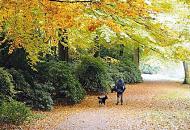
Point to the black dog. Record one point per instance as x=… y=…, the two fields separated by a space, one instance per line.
x=102 y=100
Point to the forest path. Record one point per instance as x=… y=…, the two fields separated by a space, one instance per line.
x=158 y=105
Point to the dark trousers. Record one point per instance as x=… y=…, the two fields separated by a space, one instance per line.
x=120 y=95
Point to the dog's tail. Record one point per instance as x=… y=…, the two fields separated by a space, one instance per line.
x=98 y=97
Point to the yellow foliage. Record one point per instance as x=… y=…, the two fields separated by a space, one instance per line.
x=33 y=24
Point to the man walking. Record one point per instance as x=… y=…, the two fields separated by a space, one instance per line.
x=120 y=88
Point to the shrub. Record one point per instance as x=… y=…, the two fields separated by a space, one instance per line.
x=125 y=70
x=37 y=95
x=22 y=87
x=92 y=74
x=40 y=98
x=75 y=91
x=42 y=71
x=131 y=72
x=66 y=85
x=17 y=59
x=14 y=112
x=114 y=74
x=6 y=85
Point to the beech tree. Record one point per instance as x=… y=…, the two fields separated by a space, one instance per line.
x=33 y=25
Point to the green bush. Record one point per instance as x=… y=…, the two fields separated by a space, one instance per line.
x=18 y=78
x=6 y=85
x=114 y=74
x=60 y=74
x=132 y=73
x=125 y=70
x=17 y=59
x=14 y=112
x=92 y=74
x=40 y=98
x=37 y=95
x=22 y=87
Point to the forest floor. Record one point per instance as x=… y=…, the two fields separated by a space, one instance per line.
x=151 y=105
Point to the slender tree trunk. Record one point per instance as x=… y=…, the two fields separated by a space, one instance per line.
x=121 y=52
x=136 y=56
x=186 y=70
x=63 y=50
x=97 y=53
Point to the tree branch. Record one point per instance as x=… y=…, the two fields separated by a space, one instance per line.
x=75 y=1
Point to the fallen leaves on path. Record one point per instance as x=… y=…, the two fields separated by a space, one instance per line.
x=149 y=105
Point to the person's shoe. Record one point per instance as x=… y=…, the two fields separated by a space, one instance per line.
x=121 y=103
x=117 y=103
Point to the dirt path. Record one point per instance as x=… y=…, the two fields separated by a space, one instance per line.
x=149 y=105
x=152 y=105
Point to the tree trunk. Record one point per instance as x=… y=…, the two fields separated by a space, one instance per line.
x=136 y=56
x=121 y=51
x=97 y=52
x=63 y=50
x=187 y=71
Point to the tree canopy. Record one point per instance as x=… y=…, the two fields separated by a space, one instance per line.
x=33 y=25
x=177 y=18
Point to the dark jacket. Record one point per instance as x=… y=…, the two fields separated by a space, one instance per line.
x=120 y=86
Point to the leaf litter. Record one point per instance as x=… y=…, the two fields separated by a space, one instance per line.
x=147 y=106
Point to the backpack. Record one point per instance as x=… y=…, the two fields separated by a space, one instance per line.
x=120 y=86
